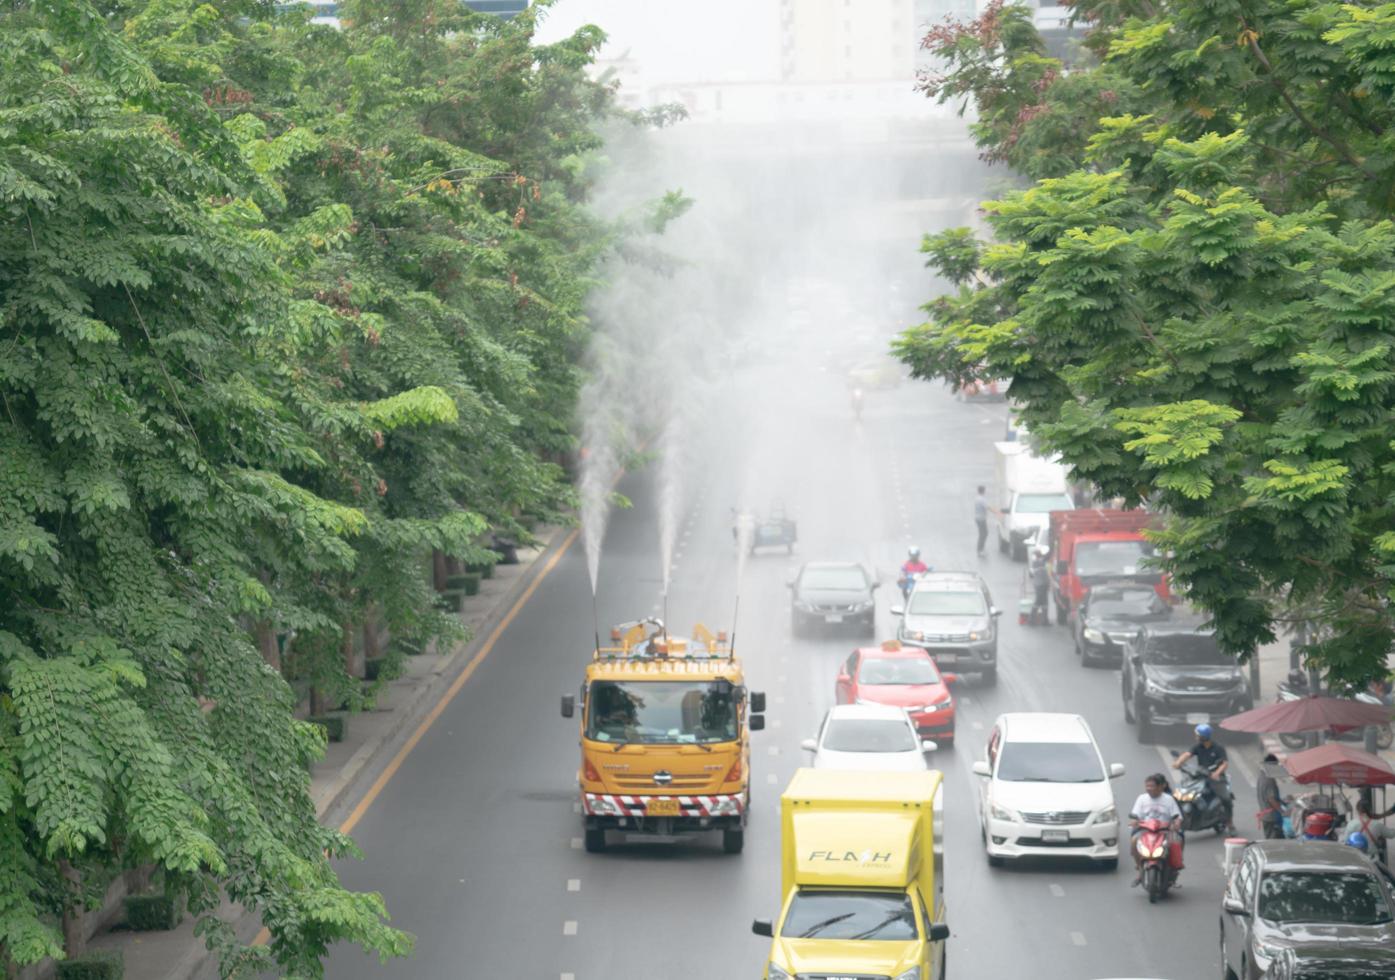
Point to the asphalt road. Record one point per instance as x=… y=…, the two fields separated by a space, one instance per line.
x=476 y=844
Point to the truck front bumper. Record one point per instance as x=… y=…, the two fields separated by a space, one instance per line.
x=659 y=815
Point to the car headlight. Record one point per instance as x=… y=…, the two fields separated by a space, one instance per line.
x=912 y=974
x=865 y=604
x=1151 y=686
x=1265 y=952
x=1107 y=815
x=911 y=709
x=773 y=971
x=1093 y=635
x=943 y=702
x=1001 y=813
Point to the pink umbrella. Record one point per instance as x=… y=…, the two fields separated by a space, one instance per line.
x=1336 y=764
x=1317 y=713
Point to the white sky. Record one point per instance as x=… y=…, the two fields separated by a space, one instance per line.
x=680 y=40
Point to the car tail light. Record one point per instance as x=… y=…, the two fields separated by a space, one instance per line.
x=734 y=773
x=589 y=772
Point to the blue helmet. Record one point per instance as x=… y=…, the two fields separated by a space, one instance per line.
x=1358 y=840
x=1203 y=732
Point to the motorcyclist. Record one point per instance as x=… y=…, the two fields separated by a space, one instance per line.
x=1154 y=803
x=1041 y=584
x=1214 y=761
x=857 y=402
x=912 y=567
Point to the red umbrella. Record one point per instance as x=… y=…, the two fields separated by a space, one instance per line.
x=1317 y=713
x=1337 y=764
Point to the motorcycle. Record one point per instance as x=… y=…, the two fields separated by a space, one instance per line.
x=1160 y=863
x=1296 y=687
x=1202 y=807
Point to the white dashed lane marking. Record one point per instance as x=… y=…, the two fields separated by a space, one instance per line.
x=771 y=779
x=573 y=884
x=774 y=750
x=576 y=843
x=1057 y=891
x=1078 y=938
x=569 y=928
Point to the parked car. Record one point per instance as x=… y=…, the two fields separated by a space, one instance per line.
x=951 y=615
x=1333 y=961
x=1301 y=894
x=1109 y=616
x=1175 y=673
x=905 y=678
x=868 y=736
x=831 y=593
x=1044 y=791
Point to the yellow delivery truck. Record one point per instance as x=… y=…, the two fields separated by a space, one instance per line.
x=862 y=877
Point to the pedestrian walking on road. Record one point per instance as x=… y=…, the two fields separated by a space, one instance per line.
x=981 y=516
x=1271 y=804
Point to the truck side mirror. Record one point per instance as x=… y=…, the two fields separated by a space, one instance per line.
x=757 y=723
x=763 y=927
x=568 y=705
x=939 y=932
x=757 y=701
x=1062 y=566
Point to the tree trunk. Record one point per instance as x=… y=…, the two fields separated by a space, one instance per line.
x=266 y=643
x=346 y=647
x=74 y=934
x=370 y=634
x=438 y=570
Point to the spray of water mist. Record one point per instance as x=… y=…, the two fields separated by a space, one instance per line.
x=670 y=495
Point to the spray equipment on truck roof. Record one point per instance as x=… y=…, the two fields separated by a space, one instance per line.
x=649 y=639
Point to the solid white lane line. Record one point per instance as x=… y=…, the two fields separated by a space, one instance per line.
x=1078 y=938
x=576 y=807
x=569 y=927
x=573 y=884
x=1057 y=891
x=782 y=679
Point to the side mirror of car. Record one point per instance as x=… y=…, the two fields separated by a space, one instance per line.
x=928 y=746
x=757 y=723
x=1116 y=769
x=938 y=933
x=763 y=927
x=1234 y=906
x=995 y=612
x=981 y=768
x=568 y=705
x=809 y=745
x=898 y=610
x=757 y=701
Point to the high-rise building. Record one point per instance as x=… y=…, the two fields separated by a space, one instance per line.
x=500 y=8
x=848 y=40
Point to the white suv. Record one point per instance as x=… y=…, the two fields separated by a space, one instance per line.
x=1045 y=791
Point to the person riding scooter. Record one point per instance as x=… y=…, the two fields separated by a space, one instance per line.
x=910 y=569
x=1154 y=803
x=1214 y=761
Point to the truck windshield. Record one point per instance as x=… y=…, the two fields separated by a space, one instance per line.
x=946 y=603
x=850 y=915
x=661 y=711
x=1050 y=762
x=1042 y=503
x=1111 y=558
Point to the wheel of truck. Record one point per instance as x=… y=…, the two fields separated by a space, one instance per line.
x=1145 y=721
x=733 y=840
x=595 y=840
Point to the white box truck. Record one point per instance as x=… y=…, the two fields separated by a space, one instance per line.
x=1026 y=490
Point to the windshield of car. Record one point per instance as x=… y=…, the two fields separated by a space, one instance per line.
x=850 y=915
x=661 y=711
x=1351 y=898
x=1042 y=503
x=898 y=670
x=868 y=735
x=939 y=603
x=837 y=577
x=1049 y=762
x=1140 y=603
x=1111 y=557
x=1186 y=649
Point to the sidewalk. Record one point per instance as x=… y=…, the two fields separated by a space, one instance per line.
x=369 y=738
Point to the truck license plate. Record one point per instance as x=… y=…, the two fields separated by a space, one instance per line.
x=662 y=808
x=833 y=619
x=1055 y=835
x=1198 y=718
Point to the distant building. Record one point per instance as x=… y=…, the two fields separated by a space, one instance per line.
x=824 y=41
x=500 y=8
x=325 y=12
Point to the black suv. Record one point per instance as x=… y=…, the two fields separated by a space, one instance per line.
x=833 y=593
x=1174 y=673
x=1109 y=616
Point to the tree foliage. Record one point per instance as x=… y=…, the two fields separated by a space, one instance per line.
x=282 y=310
x=1193 y=299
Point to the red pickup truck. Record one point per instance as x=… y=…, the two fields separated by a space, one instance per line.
x=1093 y=546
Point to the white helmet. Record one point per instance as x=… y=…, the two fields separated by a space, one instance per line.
x=1042 y=551
x=913 y=552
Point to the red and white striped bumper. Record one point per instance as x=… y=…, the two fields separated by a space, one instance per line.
x=615 y=805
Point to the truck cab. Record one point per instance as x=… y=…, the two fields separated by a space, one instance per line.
x=1092 y=546
x=862 y=877
x=665 y=736
x=1027 y=488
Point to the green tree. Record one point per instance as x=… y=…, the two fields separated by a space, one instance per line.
x=1197 y=311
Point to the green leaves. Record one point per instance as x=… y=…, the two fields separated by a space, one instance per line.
x=1175 y=441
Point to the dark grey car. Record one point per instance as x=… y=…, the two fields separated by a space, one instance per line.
x=951 y=615
x=1110 y=615
x=1337 y=961
x=1175 y=674
x=1301 y=894
x=833 y=593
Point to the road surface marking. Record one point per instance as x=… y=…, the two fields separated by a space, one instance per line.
x=576 y=843
x=774 y=750
x=569 y=928
x=775 y=723
x=569 y=976
x=1078 y=938
x=374 y=791
x=573 y=884
x=782 y=679
x=965 y=699
x=771 y=779
x=779 y=699
x=1057 y=891
x=784 y=658
x=976 y=725
x=576 y=807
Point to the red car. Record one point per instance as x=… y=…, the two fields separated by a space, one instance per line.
x=904 y=677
